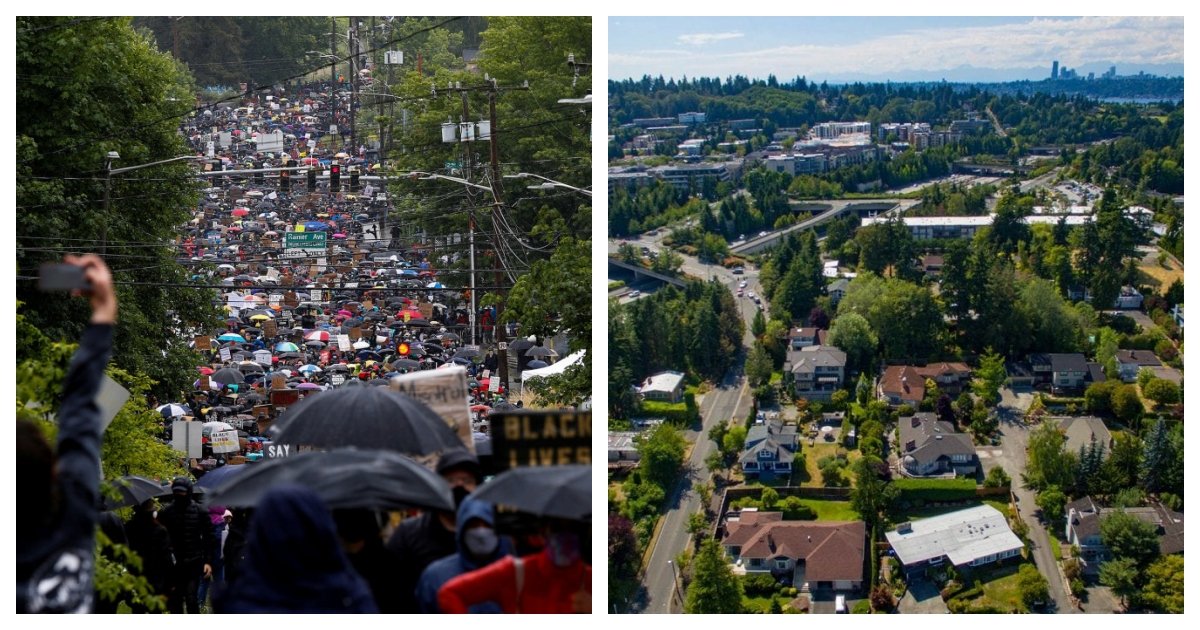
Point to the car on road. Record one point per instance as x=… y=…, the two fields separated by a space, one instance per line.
x=635 y=293
x=742 y=284
x=739 y=293
x=751 y=294
x=737 y=271
x=763 y=233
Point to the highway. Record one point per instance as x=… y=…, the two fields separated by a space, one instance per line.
x=837 y=208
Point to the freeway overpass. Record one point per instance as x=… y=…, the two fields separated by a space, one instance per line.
x=640 y=271
x=829 y=210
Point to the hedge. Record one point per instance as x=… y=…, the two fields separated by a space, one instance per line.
x=935 y=489
x=674 y=413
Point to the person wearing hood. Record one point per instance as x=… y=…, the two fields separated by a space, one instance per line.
x=554 y=580
x=418 y=541
x=191 y=539
x=294 y=561
x=478 y=546
x=152 y=543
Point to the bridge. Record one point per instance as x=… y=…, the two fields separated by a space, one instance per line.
x=828 y=210
x=640 y=271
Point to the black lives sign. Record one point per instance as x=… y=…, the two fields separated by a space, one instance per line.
x=540 y=439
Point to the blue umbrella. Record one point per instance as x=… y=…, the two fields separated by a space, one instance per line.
x=286 y=346
x=435 y=285
x=315 y=225
x=218 y=476
x=232 y=337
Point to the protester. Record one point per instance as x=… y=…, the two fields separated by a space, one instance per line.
x=478 y=545
x=294 y=561
x=150 y=540
x=554 y=580
x=362 y=541
x=217 y=515
x=191 y=540
x=59 y=490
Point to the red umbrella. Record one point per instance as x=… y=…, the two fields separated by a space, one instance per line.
x=478 y=408
x=240 y=212
x=310 y=161
x=205 y=370
x=411 y=313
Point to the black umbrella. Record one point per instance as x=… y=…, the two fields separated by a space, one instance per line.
x=250 y=367
x=368 y=417
x=365 y=355
x=435 y=348
x=461 y=361
x=217 y=476
x=554 y=491
x=537 y=363
x=407 y=364
x=137 y=490
x=338 y=367
x=228 y=376
x=344 y=478
x=539 y=352
x=467 y=353
x=449 y=335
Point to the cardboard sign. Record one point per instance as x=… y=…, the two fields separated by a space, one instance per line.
x=445 y=391
x=275 y=299
x=226 y=355
x=356 y=333
x=494 y=384
x=261 y=411
x=262 y=357
x=186 y=437
x=541 y=438
x=344 y=343
x=205 y=384
x=270 y=328
x=278 y=381
x=426 y=309
x=337 y=379
x=224 y=442
x=290 y=300
x=284 y=397
x=110 y=399
x=203 y=342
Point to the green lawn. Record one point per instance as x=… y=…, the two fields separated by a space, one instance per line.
x=1000 y=590
x=914 y=514
x=812 y=456
x=831 y=510
x=1055 y=547
x=756 y=604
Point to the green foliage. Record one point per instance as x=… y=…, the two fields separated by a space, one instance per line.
x=1162 y=391
x=661 y=451
x=851 y=333
x=759 y=365
x=1098 y=396
x=1052 y=502
x=118 y=579
x=1163 y=591
x=1126 y=404
x=759 y=585
x=871 y=496
x=997 y=478
x=989 y=378
x=1048 y=463
x=1032 y=585
x=928 y=490
x=714 y=588
x=861 y=607
x=794 y=509
x=903 y=315
x=1121 y=575
x=769 y=498
x=675 y=413
x=1129 y=537
x=696 y=523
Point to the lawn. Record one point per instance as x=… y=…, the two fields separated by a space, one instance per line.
x=758 y=604
x=1156 y=276
x=916 y=514
x=1055 y=547
x=813 y=454
x=1000 y=592
x=831 y=510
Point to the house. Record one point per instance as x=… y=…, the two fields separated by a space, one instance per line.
x=1129 y=298
x=932 y=264
x=1083 y=529
x=1095 y=373
x=931 y=447
x=1130 y=362
x=965 y=538
x=621 y=447
x=1080 y=431
x=769 y=450
x=837 y=290
x=819 y=554
x=802 y=338
x=664 y=386
x=1062 y=371
x=816 y=371
x=905 y=384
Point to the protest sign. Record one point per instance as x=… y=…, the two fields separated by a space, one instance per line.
x=445 y=391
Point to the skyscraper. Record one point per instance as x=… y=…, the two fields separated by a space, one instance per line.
x=1054 y=70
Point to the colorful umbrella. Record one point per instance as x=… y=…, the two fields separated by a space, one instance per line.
x=232 y=337
x=286 y=346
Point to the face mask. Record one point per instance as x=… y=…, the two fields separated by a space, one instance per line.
x=460 y=494
x=155 y=515
x=480 y=542
x=564 y=548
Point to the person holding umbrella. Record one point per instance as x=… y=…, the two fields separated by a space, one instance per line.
x=58 y=493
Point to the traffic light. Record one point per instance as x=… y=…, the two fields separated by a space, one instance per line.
x=335 y=178
x=285 y=181
x=353 y=180
x=312 y=179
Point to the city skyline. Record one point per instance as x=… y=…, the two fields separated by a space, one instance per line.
x=840 y=49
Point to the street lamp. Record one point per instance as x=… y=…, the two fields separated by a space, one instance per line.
x=675 y=577
x=109 y=171
x=549 y=183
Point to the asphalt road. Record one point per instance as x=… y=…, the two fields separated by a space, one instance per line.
x=1014 y=439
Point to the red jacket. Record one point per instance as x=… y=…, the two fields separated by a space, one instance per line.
x=545 y=589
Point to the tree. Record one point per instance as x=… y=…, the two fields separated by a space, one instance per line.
x=714 y=588
x=758 y=365
x=1126 y=405
x=1048 y=462
x=769 y=498
x=1164 y=585
x=882 y=599
x=1127 y=536
x=818 y=318
x=1097 y=398
x=624 y=557
x=696 y=523
x=1144 y=376
x=997 y=478
x=1032 y=585
x=1162 y=391
x=661 y=452
x=989 y=378
x=1174 y=293
x=1155 y=456
x=759 y=325
x=1121 y=576
x=904 y=316
x=1052 y=502
x=871 y=497
x=733 y=441
x=852 y=334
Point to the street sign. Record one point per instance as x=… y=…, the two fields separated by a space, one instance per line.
x=393 y=57
x=303 y=244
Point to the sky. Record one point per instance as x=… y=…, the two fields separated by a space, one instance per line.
x=892 y=48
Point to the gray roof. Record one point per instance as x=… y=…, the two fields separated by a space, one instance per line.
x=812 y=357
x=774 y=436
x=924 y=438
x=1168 y=523
x=1069 y=362
x=1138 y=357
x=1079 y=432
x=961 y=536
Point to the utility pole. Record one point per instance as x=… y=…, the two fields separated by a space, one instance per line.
x=467 y=154
x=497 y=193
x=332 y=75
x=353 y=47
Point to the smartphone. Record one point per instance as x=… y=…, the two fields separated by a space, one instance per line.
x=62 y=277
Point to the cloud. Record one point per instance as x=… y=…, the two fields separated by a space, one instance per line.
x=1072 y=41
x=700 y=39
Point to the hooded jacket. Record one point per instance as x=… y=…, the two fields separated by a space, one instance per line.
x=294 y=561
x=190 y=529
x=443 y=570
x=545 y=588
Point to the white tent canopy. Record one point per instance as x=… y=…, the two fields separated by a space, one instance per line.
x=554 y=369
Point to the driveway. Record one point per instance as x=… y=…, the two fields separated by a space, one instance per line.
x=922 y=598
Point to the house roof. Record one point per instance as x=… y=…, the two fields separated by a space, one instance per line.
x=831 y=550
x=774 y=436
x=1096 y=373
x=934 y=370
x=1138 y=357
x=1168 y=523
x=663 y=382
x=811 y=357
x=1080 y=431
x=902 y=381
x=961 y=536
x=1061 y=362
x=621 y=440
x=804 y=333
x=926 y=439
x=837 y=285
